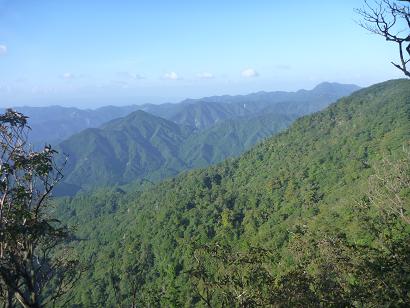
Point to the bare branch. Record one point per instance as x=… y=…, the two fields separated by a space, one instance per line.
x=391 y=20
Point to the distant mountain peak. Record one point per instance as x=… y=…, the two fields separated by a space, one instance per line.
x=140 y=114
x=138 y=119
x=328 y=86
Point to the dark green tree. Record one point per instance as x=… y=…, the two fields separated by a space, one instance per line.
x=35 y=267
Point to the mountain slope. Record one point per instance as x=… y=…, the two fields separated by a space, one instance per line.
x=203 y=113
x=135 y=147
x=142 y=146
x=231 y=138
x=106 y=157
x=306 y=178
x=55 y=123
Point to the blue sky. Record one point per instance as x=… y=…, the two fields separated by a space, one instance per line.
x=90 y=53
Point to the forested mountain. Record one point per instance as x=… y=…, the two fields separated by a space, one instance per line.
x=145 y=147
x=121 y=151
x=55 y=123
x=231 y=138
x=135 y=147
x=204 y=112
x=296 y=221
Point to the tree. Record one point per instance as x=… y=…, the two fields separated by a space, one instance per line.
x=35 y=266
x=391 y=20
x=223 y=276
x=389 y=187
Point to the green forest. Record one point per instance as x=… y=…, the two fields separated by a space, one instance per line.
x=260 y=199
x=301 y=219
x=161 y=141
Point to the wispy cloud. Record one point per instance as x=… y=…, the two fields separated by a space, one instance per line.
x=205 y=75
x=249 y=73
x=21 y=80
x=3 y=49
x=129 y=75
x=120 y=83
x=72 y=76
x=283 y=67
x=171 y=76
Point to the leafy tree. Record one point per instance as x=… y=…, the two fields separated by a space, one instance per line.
x=35 y=269
x=390 y=187
x=221 y=274
x=391 y=20
x=328 y=268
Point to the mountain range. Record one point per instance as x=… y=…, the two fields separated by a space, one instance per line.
x=54 y=124
x=143 y=145
x=203 y=113
x=292 y=222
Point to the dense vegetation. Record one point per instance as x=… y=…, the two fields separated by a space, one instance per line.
x=205 y=112
x=316 y=216
x=36 y=265
x=137 y=146
x=231 y=138
x=144 y=146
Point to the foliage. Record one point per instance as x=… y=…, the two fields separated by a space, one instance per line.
x=298 y=204
x=144 y=146
x=34 y=267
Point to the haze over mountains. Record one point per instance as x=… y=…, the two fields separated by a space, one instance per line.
x=55 y=123
x=194 y=133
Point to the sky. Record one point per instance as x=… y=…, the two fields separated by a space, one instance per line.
x=116 y=52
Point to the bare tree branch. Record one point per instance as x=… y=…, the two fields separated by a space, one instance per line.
x=391 y=20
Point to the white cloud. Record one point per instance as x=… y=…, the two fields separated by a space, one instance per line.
x=249 y=73
x=3 y=49
x=205 y=75
x=171 y=76
x=68 y=76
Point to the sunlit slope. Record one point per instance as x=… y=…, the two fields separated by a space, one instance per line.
x=313 y=169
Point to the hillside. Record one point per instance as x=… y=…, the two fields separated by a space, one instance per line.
x=120 y=152
x=294 y=195
x=135 y=147
x=141 y=146
x=230 y=138
x=55 y=123
x=203 y=113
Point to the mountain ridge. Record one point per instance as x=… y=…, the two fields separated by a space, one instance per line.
x=203 y=133
x=53 y=124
